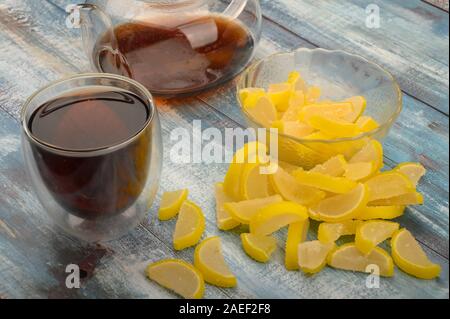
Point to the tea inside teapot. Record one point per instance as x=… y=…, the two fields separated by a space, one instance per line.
x=179 y=54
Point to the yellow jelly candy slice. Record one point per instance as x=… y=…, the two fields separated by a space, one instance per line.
x=293 y=128
x=341 y=207
x=413 y=198
x=264 y=112
x=348 y=257
x=208 y=258
x=372 y=152
x=359 y=171
x=330 y=232
x=288 y=167
x=414 y=171
x=245 y=93
x=381 y=212
x=275 y=216
x=312 y=255
x=318 y=136
x=232 y=182
x=288 y=187
x=297 y=82
x=334 y=127
x=243 y=211
x=324 y=182
x=171 y=203
x=296 y=102
x=253 y=183
x=335 y=166
x=250 y=98
x=367 y=124
x=190 y=226
x=371 y=233
x=334 y=110
x=297 y=233
x=224 y=219
x=388 y=184
x=411 y=258
x=359 y=104
x=313 y=94
x=178 y=276
x=258 y=247
x=280 y=95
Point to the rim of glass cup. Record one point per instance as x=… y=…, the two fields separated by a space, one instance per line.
x=93 y=151
x=241 y=84
x=176 y=5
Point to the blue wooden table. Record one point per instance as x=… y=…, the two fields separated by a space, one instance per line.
x=36 y=47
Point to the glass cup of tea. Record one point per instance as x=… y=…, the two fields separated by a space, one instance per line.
x=92 y=147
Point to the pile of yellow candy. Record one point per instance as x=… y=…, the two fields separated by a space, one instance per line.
x=295 y=109
x=347 y=197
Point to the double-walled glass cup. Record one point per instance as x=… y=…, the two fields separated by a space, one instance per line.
x=95 y=194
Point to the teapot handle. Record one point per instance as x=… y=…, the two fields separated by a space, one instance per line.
x=97 y=33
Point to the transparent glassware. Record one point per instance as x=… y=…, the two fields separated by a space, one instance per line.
x=115 y=184
x=173 y=47
x=340 y=75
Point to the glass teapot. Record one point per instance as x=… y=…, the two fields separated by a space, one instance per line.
x=172 y=47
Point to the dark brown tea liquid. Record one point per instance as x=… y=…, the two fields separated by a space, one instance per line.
x=85 y=123
x=173 y=57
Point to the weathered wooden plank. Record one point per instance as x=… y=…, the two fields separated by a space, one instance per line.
x=443 y=4
x=119 y=273
x=129 y=254
x=412 y=41
x=42 y=35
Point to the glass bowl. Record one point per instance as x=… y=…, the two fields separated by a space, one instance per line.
x=340 y=75
x=95 y=194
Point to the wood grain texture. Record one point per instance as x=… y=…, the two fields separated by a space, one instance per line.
x=412 y=41
x=33 y=254
x=443 y=4
x=119 y=272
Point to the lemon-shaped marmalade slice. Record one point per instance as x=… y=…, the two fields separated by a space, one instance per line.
x=258 y=247
x=275 y=216
x=312 y=255
x=330 y=232
x=244 y=211
x=341 y=207
x=178 y=276
x=190 y=226
x=287 y=186
x=208 y=258
x=348 y=257
x=372 y=152
x=414 y=171
x=171 y=203
x=371 y=233
x=389 y=184
x=297 y=233
x=410 y=257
